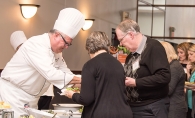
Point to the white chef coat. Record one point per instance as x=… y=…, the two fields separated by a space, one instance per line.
x=30 y=72
x=49 y=91
x=60 y=65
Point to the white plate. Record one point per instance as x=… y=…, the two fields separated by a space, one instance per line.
x=76 y=113
x=59 y=112
x=64 y=113
x=64 y=91
x=40 y=114
x=67 y=107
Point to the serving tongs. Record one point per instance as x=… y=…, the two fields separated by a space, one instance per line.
x=54 y=115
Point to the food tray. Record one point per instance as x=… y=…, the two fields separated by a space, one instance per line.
x=68 y=107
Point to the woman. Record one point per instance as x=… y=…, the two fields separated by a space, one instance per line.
x=177 y=107
x=182 y=50
x=103 y=82
x=190 y=93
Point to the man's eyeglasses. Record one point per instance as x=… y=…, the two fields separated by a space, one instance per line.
x=66 y=43
x=123 y=37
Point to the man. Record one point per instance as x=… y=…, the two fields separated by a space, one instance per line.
x=31 y=70
x=17 y=39
x=147 y=72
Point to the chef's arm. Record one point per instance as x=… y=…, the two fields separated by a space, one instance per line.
x=61 y=64
x=44 y=61
x=45 y=66
x=76 y=81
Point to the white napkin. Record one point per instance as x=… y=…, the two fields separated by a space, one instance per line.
x=63 y=91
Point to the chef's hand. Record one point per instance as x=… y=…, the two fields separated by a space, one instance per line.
x=77 y=86
x=130 y=82
x=69 y=93
x=75 y=80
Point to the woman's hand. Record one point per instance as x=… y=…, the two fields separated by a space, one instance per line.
x=188 y=67
x=69 y=93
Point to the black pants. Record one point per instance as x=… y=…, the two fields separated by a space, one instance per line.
x=158 y=109
x=44 y=102
x=189 y=113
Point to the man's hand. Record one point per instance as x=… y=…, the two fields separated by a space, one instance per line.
x=130 y=82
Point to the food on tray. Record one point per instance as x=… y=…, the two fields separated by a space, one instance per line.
x=51 y=112
x=1 y=102
x=21 y=116
x=77 y=90
x=31 y=116
x=81 y=110
x=189 y=83
x=4 y=105
x=26 y=116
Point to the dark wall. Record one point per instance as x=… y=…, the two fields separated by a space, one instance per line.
x=114 y=40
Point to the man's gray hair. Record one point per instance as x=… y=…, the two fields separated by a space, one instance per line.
x=52 y=31
x=128 y=25
x=96 y=41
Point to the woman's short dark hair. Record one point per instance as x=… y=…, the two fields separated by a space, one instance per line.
x=96 y=41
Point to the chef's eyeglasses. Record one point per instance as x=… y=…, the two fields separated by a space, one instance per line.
x=66 y=43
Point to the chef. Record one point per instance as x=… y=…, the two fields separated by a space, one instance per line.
x=17 y=39
x=32 y=68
